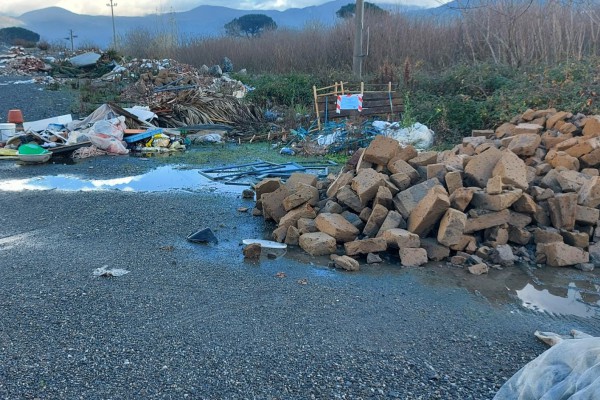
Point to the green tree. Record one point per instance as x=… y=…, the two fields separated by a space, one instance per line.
x=250 y=25
x=349 y=10
x=16 y=35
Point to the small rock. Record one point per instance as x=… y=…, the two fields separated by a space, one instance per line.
x=373 y=258
x=252 y=251
x=479 y=269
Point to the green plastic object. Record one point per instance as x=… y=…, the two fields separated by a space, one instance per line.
x=32 y=149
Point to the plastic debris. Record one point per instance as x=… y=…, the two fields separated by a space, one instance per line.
x=109 y=273
x=205 y=235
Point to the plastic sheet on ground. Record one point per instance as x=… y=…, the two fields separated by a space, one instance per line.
x=569 y=370
x=418 y=135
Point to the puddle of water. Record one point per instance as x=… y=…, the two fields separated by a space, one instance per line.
x=162 y=179
x=573 y=303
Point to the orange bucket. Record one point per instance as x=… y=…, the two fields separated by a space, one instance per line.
x=15 y=116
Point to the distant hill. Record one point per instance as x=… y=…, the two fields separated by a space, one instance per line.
x=53 y=23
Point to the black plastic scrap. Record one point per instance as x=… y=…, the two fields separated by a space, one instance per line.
x=203 y=236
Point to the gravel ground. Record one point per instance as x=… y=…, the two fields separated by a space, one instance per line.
x=34 y=100
x=197 y=321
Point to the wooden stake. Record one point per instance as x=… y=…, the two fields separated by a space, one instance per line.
x=317 y=107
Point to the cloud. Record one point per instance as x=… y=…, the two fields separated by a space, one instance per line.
x=144 y=7
x=7 y=22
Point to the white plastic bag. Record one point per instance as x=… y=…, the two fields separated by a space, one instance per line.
x=108 y=135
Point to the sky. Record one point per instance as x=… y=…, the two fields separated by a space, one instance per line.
x=142 y=7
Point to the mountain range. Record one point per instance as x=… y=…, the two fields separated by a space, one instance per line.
x=54 y=23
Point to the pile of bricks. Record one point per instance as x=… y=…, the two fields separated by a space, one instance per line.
x=527 y=191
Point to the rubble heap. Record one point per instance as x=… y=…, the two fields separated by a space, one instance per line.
x=17 y=62
x=528 y=191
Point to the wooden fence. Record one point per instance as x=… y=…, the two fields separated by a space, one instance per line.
x=378 y=100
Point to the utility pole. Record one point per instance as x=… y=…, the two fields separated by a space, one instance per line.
x=359 y=15
x=112 y=6
x=71 y=37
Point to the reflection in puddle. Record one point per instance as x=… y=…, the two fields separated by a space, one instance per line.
x=572 y=303
x=161 y=179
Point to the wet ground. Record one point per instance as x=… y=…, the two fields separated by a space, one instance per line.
x=556 y=291
x=199 y=321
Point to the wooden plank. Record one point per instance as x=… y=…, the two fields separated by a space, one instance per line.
x=317 y=107
x=366 y=103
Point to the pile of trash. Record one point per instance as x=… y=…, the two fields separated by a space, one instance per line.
x=345 y=136
x=528 y=192
x=17 y=62
x=108 y=130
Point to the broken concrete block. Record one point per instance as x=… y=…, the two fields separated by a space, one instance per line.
x=337 y=227
x=589 y=194
x=383 y=197
x=331 y=207
x=301 y=177
x=375 y=220
x=407 y=152
x=400 y=238
x=562 y=255
x=527 y=128
x=526 y=204
x=366 y=183
x=399 y=166
x=267 y=185
x=342 y=180
x=496 y=202
x=487 y=220
x=424 y=159
x=496 y=235
x=453 y=181
x=344 y=262
x=592 y=126
x=547 y=235
x=525 y=145
x=317 y=243
x=292 y=236
x=467 y=243
x=479 y=169
x=381 y=150
x=411 y=257
x=562 y=159
x=392 y=220
x=512 y=170
x=479 y=269
x=503 y=255
x=365 y=246
x=347 y=197
x=519 y=235
x=587 y=215
x=408 y=199
x=594 y=251
x=436 y=171
x=279 y=234
x=506 y=129
x=373 y=258
x=452 y=226
x=592 y=159
x=429 y=210
x=292 y=217
x=272 y=203
x=559 y=116
x=576 y=239
x=563 y=209
x=303 y=193
x=365 y=214
x=461 y=198
x=550 y=181
x=435 y=251
x=401 y=180
x=494 y=185
x=354 y=220
x=306 y=225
